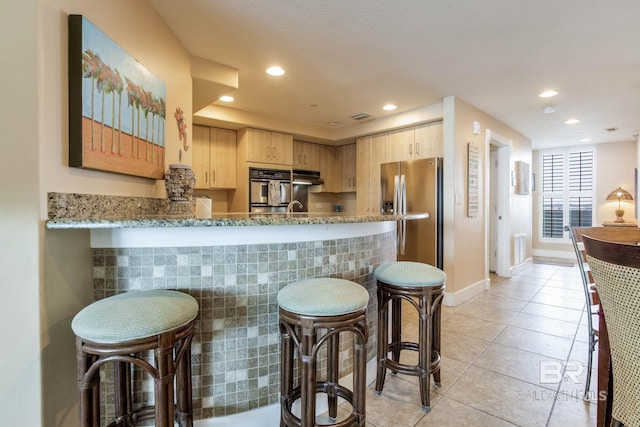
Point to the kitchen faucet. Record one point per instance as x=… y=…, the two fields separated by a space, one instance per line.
x=292 y=204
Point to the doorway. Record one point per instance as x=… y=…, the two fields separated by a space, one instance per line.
x=498 y=195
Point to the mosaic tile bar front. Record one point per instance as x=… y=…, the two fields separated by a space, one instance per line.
x=236 y=345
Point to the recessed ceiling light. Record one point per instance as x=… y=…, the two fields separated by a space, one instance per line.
x=275 y=71
x=548 y=109
x=548 y=94
x=389 y=107
x=572 y=122
x=585 y=140
x=226 y=98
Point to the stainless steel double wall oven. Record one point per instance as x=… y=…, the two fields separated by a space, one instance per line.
x=270 y=190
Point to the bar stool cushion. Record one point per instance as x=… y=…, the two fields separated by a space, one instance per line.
x=134 y=315
x=323 y=297
x=406 y=273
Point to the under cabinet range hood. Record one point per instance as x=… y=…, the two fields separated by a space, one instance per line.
x=302 y=177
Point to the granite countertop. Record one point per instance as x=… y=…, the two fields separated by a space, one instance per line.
x=223 y=220
x=77 y=211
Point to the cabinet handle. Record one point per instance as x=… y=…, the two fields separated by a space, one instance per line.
x=411 y=149
x=213 y=176
x=274 y=153
x=417 y=148
x=305 y=159
x=299 y=158
x=268 y=152
x=206 y=176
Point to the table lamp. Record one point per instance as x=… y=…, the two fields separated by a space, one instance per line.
x=619 y=194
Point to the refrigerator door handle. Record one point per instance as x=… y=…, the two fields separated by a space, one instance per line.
x=403 y=210
x=396 y=190
x=396 y=207
x=403 y=194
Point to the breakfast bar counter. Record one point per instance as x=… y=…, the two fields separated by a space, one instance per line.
x=234 y=265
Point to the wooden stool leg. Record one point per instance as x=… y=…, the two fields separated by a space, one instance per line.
x=308 y=377
x=164 y=409
x=396 y=328
x=383 y=339
x=333 y=347
x=122 y=380
x=435 y=341
x=88 y=388
x=184 y=402
x=424 y=355
x=286 y=370
x=360 y=373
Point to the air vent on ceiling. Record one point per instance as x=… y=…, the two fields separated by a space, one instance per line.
x=613 y=129
x=361 y=116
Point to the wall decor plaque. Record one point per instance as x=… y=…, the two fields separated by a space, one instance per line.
x=473 y=180
x=522 y=177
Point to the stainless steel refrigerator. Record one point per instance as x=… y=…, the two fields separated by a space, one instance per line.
x=415 y=186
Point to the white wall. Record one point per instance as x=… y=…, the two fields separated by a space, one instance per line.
x=65 y=285
x=20 y=398
x=614 y=166
x=464 y=237
x=138 y=29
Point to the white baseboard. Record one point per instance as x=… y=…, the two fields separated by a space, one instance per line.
x=554 y=254
x=519 y=268
x=457 y=298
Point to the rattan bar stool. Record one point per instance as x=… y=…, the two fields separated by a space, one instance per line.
x=421 y=285
x=314 y=312
x=117 y=329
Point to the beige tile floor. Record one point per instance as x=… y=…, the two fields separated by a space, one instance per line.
x=493 y=350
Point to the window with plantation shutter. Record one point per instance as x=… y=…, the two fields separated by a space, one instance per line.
x=567 y=190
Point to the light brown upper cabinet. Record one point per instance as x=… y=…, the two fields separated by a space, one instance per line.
x=419 y=142
x=214 y=157
x=372 y=152
x=346 y=160
x=267 y=147
x=222 y=158
x=306 y=156
x=429 y=139
x=338 y=168
x=328 y=169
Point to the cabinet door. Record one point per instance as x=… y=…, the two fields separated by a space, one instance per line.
x=401 y=145
x=328 y=168
x=200 y=159
x=436 y=132
x=306 y=156
x=379 y=148
x=222 y=143
x=347 y=160
x=298 y=154
x=363 y=164
x=429 y=141
x=372 y=152
x=281 y=148
x=311 y=157
x=258 y=146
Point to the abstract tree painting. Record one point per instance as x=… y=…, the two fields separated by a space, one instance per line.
x=117 y=108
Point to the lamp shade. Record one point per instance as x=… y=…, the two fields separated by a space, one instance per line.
x=619 y=194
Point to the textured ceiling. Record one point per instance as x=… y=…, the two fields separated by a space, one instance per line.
x=349 y=56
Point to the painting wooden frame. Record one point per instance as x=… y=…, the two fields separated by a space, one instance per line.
x=117 y=108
